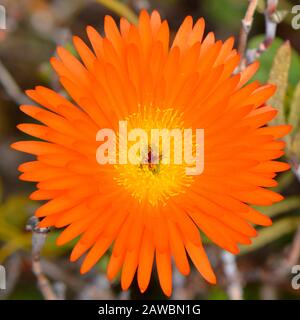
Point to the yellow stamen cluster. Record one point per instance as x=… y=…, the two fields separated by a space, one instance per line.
x=151 y=182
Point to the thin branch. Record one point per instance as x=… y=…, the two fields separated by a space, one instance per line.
x=61 y=274
x=245 y=29
x=294 y=253
x=270 y=34
x=234 y=286
x=38 y=241
x=11 y=87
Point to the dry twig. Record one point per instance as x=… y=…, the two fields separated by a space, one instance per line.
x=271 y=27
x=245 y=30
x=293 y=255
x=234 y=286
x=38 y=241
x=11 y=87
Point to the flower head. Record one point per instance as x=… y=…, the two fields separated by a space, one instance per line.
x=143 y=211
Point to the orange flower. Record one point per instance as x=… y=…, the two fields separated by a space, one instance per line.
x=141 y=213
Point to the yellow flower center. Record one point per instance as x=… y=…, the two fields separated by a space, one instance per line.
x=148 y=180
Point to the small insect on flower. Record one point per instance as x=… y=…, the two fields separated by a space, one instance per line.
x=145 y=212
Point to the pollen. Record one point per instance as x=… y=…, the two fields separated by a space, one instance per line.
x=152 y=180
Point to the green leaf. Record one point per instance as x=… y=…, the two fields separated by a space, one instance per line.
x=70 y=47
x=14 y=244
x=284 y=181
x=217 y=293
x=261 y=6
x=266 y=60
x=51 y=249
x=279 y=76
x=103 y=263
x=294 y=114
x=220 y=12
x=288 y=204
x=273 y=233
x=295 y=148
x=17 y=209
x=121 y=9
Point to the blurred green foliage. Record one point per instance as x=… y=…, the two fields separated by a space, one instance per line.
x=220 y=11
x=14 y=214
x=267 y=58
